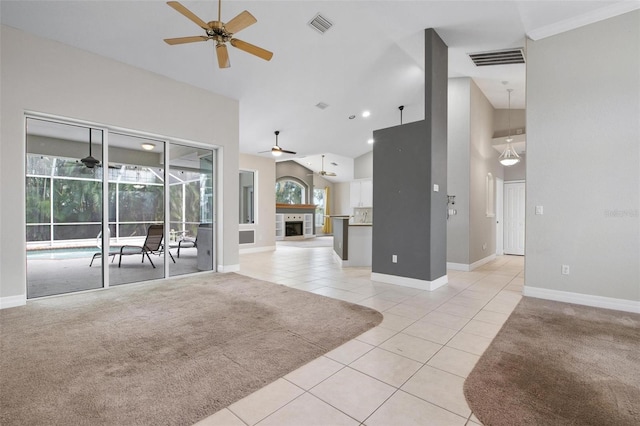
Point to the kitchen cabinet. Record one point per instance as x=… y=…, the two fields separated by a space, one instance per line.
x=361 y=193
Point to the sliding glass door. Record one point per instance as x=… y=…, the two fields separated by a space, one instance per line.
x=136 y=208
x=72 y=171
x=191 y=206
x=63 y=207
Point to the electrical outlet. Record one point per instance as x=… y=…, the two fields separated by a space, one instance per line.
x=484 y=246
x=394 y=258
x=565 y=269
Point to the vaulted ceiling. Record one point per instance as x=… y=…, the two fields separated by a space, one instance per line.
x=371 y=59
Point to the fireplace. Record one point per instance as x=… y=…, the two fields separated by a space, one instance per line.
x=293 y=225
x=293 y=229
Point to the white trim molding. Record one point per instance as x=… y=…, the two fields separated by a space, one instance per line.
x=468 y=268
x=583 y=299
x=229 y=268
x=410 y=282
x=12 y=301
x=591 y=17
x=256 y=249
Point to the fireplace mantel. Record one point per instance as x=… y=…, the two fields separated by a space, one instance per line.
x=295 y=206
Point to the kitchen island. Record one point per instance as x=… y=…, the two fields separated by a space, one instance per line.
x=351 y=242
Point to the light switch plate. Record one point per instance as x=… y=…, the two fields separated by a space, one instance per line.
x=436 y=187
x=539 y=210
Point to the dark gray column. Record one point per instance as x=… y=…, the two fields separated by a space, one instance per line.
x=408 y=160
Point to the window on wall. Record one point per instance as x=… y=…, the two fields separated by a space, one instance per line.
x=290 y=192
x=247 y=180
x=318 y=200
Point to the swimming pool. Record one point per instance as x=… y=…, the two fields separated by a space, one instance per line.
x=62 y=253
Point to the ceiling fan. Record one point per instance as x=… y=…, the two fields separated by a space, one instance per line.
x=275 y=150
x=322 y=172
x=89 y=161
x=221 y=33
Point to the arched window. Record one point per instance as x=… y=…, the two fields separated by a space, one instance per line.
x=290 y=192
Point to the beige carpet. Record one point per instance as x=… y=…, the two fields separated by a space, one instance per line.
x=555 y=363
x=168 y=353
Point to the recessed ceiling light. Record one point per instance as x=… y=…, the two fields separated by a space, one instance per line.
x=351 y=117
x=370 y=141
x=365 y=114
x=148 y=146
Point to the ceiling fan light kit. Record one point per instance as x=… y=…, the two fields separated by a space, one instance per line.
x=89 y=161
x=221 y=33
x=276 y=151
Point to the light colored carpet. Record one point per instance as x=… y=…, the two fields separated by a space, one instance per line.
x=555 y=363
x=164 y=353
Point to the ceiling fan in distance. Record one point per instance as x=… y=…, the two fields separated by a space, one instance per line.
x=275 y=150
x=322 y=172
x=221 y=33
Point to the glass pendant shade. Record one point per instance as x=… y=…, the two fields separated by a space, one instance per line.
x=509 y=157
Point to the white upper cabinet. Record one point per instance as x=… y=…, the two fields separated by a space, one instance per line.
x=361 y=193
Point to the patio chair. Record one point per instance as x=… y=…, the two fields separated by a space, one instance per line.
x=113 y=251
x=152 y=244
x=187 y=242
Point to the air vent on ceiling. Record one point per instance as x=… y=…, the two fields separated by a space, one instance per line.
x=498 y=57
x=322 y=105
x=320 y=24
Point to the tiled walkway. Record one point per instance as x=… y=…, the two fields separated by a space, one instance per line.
x=407 y=371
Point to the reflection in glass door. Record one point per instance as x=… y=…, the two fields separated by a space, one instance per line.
x=63 y=207
x=191 y=207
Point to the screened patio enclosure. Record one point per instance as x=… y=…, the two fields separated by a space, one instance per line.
x=93 y=192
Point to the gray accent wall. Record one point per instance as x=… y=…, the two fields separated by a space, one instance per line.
x=407 y=161
x=583 y=160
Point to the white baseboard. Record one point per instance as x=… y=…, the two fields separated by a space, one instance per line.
x=583 y=299
x=229 y=268
x=468 y=268
x=410 y=282
x=12 y=301
x=257 y=249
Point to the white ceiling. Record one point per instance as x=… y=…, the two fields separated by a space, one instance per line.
x=371 y=59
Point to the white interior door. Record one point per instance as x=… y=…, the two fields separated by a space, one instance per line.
x=514 y=215
x=499 y=217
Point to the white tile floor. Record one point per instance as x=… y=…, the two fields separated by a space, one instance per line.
x=407 y=371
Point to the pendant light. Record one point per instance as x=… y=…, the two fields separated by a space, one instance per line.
x=509 y=157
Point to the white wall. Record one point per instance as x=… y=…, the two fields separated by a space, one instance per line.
x=363 y=166
x=483 y=160
x=265 y=202
x=44 y=76
x=583 y=164
x=459 y=116
x=341 y=198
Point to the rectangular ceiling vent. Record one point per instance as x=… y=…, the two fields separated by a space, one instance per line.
x=322 y=105
x=498 y=57
x=320 y=24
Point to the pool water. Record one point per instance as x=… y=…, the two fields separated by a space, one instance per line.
x=62 y=253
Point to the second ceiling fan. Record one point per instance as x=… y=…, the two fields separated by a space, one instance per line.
x=221 y=33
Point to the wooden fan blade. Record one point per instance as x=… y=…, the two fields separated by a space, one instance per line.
x=329 y=174
x=287 y=152
x=250 y=48
x=240 y=22
x=181 y=40
x=223 y=55
x=189 y=14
